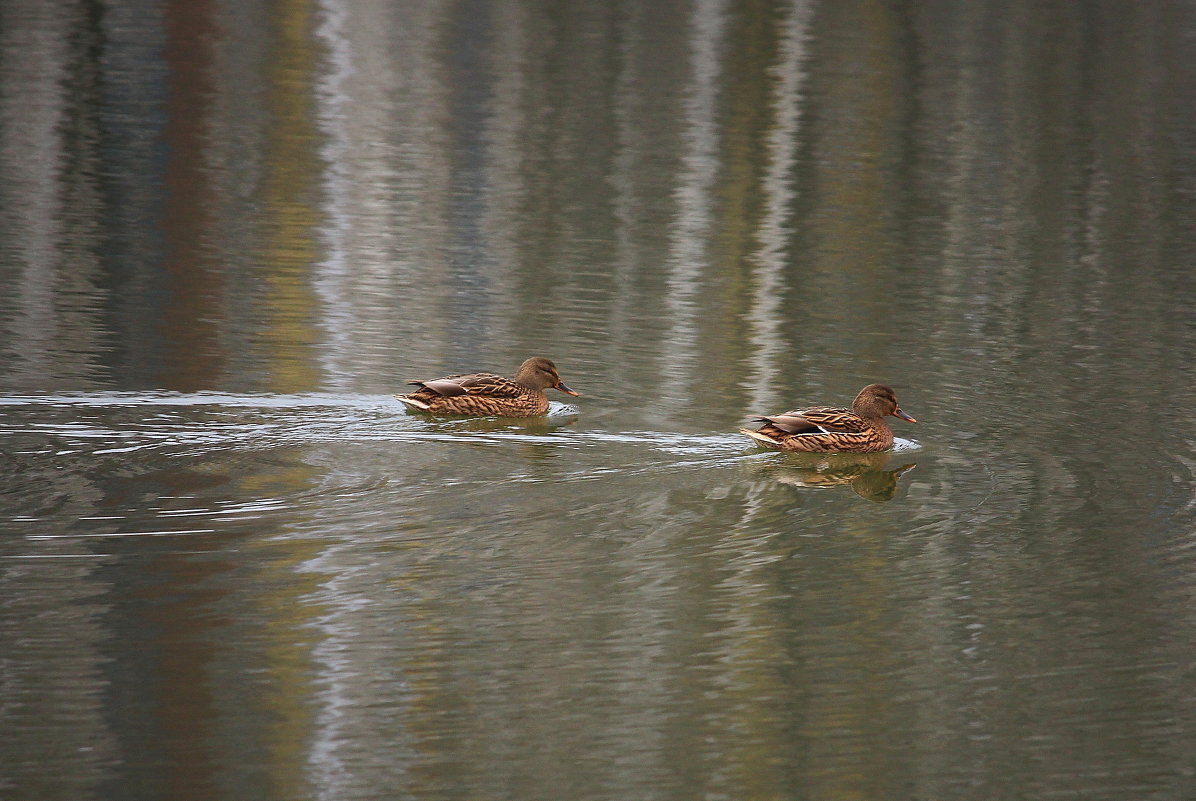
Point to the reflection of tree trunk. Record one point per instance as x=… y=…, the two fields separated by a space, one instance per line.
x=192 y=314
x=688 y=253
x=48 y=196
x=768 y=273
x=291 y=204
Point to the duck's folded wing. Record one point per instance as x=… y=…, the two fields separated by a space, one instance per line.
x=492 y=386
x=450 y=386
x=825 y=418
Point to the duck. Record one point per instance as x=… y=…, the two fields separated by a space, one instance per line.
x=828 y=429
x=487 y=394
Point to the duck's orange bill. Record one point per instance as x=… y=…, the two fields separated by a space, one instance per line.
x=561 y=386
x=903 y=416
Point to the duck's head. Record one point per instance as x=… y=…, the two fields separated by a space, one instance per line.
x=877 y=400
x=540 y=373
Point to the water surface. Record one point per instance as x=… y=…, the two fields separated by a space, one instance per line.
x=232 y=567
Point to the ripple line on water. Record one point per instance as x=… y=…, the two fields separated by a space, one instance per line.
x=115 y=534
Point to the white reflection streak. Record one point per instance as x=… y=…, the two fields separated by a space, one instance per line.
x=768 y=276
x=331 y=280
x=693 y=224
x=339 y=662
x=331 y=283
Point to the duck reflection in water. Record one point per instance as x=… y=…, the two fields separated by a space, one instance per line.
x=531 y=435
x=865 y=473
x=545 y=424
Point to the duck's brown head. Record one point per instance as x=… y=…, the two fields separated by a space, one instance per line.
x=540 y=373
x=877 y=400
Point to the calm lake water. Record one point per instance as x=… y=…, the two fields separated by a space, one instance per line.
x=232 y=567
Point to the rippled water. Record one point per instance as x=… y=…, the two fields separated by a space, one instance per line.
x=231 y=566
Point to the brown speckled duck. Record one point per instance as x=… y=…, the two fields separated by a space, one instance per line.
x=825 y=429
x=489 y=395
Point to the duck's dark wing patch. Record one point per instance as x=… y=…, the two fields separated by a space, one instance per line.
x=445 y=387
x=792 y=423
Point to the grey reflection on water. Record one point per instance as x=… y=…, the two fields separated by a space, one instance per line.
x=50 y=319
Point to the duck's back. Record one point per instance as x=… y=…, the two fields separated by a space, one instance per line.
x=477 y=393
x=813 y=420
x=833 y=418
x=488 y=384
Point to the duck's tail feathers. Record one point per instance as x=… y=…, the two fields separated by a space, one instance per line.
x=762 y=439
x=413 y=403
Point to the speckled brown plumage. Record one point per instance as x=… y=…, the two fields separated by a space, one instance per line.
x=826 y=429
x=489 y=395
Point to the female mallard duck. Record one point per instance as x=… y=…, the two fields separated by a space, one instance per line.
x=823 y=429
x=487 y=394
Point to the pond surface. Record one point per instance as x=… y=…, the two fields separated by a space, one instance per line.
x=232 y=567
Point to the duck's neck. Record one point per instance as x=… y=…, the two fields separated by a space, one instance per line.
x=869 y=412
x=529 y=382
